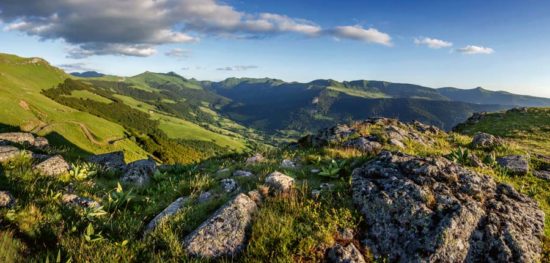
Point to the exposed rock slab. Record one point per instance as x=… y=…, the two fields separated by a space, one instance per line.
x=113 y=161
x=279 y=182
x=483 y=140
x=172 y=209
x=225 y=232
x=18 y=137
x=515 y=164
x=431 y=210
x=53 y=166
x=364 y=145
x=72 y=199
x=8 y=153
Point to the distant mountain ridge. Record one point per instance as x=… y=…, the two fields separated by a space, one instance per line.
x=88 y=74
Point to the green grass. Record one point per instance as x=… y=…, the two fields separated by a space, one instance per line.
x=359 y=93
x=84 y=94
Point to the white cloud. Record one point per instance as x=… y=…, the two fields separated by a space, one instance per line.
x=356 y=32
x=474 y=50
x=177 y=53
x=237 y=68
x=71 y=67
x=432 y=42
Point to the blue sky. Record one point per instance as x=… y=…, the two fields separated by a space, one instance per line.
x=499 y=45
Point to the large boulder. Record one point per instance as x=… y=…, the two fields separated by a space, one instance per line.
x=431 y=210
x=53 y=166
x=483 y=140
x=515 y=164
x=172 y=209
x=18 y=137
x=279 y=183
x=109 y=161
x=139 y=173
x=6 y=199
x=345 y=254
x=8 y=153
x=224 y=233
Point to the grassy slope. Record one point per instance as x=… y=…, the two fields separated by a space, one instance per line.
x=23 y=105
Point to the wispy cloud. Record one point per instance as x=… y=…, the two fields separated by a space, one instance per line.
x=72 y=67
x=237 y=68
x=475 y=50
x=370 y=35
x=432 y=42
x=177 y=53
x=138 y=27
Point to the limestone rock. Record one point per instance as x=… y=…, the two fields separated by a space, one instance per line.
x=288 y=164
x=256 y=158
x=53 y=166
x=172 y=209
x=8 y=153
x=242 y=173
x=41 y=142
x=139 y=172
x=396 y=142
x=364 y=145
x=347 y=254
x=6 y=199
x=18 y=137
x=229 y=185
x=484 y=141
x=542 y=174
x=72 y=199
x=515 y=164
x=431 y=210
x=113 y=161
x=204 y=197
x=279 y=182
x=224 y=233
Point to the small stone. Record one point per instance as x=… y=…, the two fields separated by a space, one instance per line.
x=204 y=197
x=229 y=185
x=242 y=173
x=53 y=166
x=347 y=254
x=483 y=140
x=41 y=142
x=279 y=182
x=72 y=199
x=542 y=174
x=224 y=233
x=289 y=164
x=172 y=209
x=6 y=199
x=515 y=164
x=315 y=171
x=256 y=158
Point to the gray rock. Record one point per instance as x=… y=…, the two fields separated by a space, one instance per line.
x=255 y=196
x=515 y=164
x=41 y=142
x=328 y=136
x=6 y=199
x=72 y=199
x=8 y=153
x=223 y=171
x=431 y=210
x=315 y=171
x=485 y=141
x=256 y=158
x=243 y=173
x=18 y=137
x=53 y=166
x=347 y=254
x=542 y=174
x=279 y=183
x=421 y=127
x=288 y=164
x=345 y=234
x=397 y=143
x=139 y=172
x=204 y=197
x=172 y=209
x=364 y=145
x=113 y=161
x=229 y=185
x=224 y=233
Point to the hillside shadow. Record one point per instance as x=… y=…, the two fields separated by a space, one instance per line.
x=58 y=143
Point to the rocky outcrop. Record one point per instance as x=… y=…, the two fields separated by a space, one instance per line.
x=139 y=172
x=485 y=141
x=431 y=210
x=53 y=166
x=6 y=199
x=225 y=232
x=515 y=164
x=364 y=145
x=72 y=199
x=279 y=183
x=24 y=138
x=109 y=161
x=345 y=254
x=8 y=153
x=172 y=209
